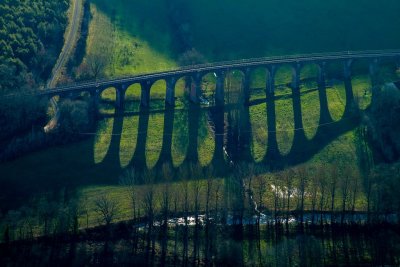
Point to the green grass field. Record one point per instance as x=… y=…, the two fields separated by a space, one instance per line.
x=225 y=29
x=120 y=194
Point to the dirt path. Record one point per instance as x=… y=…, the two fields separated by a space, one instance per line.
x=71 y=39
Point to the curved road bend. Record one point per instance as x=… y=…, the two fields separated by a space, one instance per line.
x=69 y=43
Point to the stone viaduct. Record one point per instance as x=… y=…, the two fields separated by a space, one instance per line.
x=301 y=147
x=197 y=72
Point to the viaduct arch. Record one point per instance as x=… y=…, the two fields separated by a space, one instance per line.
x=220 y=70
x=271 y=64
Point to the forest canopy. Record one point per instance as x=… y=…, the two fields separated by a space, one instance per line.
x=30 y=40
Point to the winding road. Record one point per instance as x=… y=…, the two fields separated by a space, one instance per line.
x=69 y=43
x=71 y=39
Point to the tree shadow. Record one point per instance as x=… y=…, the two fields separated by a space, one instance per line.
x=72 y=166
x=232 y=137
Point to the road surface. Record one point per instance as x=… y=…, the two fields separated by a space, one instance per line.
x=71 y=39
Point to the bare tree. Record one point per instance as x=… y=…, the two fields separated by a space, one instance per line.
x=29 y=221
x=248 y=172
x=73 y=212
x=47 y=211
x=13 y=219
x=84 y=209
x=345 y=181
x=97 y=62
x=260 y=188
x=185 y=208
x=334 y=175
x=149 y=207
x=322 y=186
x=366 y=162
x=197 y=188
x=129 y=182
x=176 y=193
x=302 y=184
x=165 y=207
x=217 y=195
x=314 y=195
x=106 y=208
x=148 y=197
x=217 y=198
x=191 y=57
x=209 y=188
x=288 y=179
x=354 y=192
x=276 y=194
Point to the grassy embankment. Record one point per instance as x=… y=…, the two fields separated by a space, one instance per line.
x=144 y=59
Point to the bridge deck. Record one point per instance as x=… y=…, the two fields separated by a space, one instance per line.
x=226 y=65
x=241 y=64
